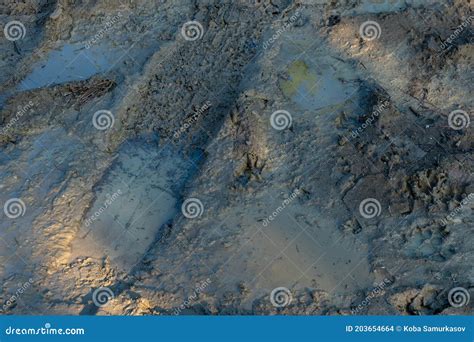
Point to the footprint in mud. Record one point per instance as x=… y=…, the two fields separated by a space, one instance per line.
x=427 y=242
x=136 y=197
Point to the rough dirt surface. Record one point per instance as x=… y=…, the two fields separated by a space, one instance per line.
x=192 y=119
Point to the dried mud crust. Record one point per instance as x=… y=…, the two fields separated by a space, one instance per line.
x=238 y=165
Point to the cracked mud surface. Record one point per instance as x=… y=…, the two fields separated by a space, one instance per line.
x=191 y=119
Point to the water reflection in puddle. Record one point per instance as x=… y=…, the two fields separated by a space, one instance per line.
x=71 y=63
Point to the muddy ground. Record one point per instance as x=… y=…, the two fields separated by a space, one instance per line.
x=236 y=157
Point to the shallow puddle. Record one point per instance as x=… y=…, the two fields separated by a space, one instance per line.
x=314 y=84
x=71 y=63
